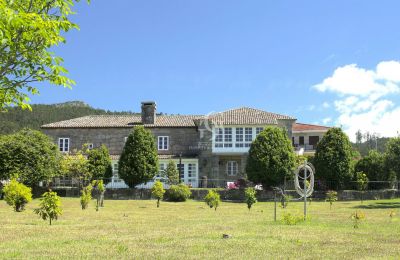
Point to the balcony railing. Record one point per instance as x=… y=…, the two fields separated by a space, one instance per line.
x=305 y=147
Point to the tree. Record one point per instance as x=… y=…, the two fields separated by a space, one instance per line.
x=17 y=195
x=30 y=156
x=271 y=157
x=362 y=183
x=333 y=158
x=373 y=165
x=76 y=166
x=172 y=173
x=331 y=196
x=250 y=196
x=158 y=192
x=212 y=199
x=28 y=29
x=98 y=190
x=99 y=163
x=49 y=206
x=139 y=161
x=392 y=158
x=86 y=196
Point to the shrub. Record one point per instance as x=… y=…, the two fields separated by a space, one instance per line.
x=177 y=193
x=86 y=196
x=362 y=183
x=292 y=219
x=50 y=206
x=331 y=196
x=99 y=189
x=357 y=217
x=212 y=199
x=17 y=195
x=250 y=196
x=158 y=192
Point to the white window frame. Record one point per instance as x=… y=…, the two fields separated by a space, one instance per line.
x=248 y=136
x=164 y=145
x=219 y=137
x=232 y=168
x=61 y=144
x=259 y=130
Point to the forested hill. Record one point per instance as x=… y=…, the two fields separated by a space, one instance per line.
x=15 y=118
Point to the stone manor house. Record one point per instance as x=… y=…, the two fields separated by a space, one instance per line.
x=214 y=146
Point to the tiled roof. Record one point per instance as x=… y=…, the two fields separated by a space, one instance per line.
x=239 y=116
x=246 y=116
x=104 y=121
x=307 y=127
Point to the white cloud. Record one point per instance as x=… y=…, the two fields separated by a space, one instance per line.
x=362 y=98
x=326 y=120
x=326 y=105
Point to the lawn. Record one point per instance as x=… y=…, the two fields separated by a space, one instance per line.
x=190 y=230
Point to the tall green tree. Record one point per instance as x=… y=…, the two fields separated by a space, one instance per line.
x=139 y=161
x=30 y=156
x=373 y=165
x=172 y=173
x=333 y=158
x=271 y=157
x=28 y=29
x=392 y=158
x=76 y=166
x=99 y=163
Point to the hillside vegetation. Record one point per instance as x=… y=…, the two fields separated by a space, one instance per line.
x=15 y=118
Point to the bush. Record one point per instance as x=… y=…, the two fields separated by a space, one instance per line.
x=177 y=193
x=357 y=217
x=50 y=206
x=292 y=219
x=250 y=197
x=331 y=196
x=17 y=195
x=86 y=196
x=212 y=199
x=158 y=192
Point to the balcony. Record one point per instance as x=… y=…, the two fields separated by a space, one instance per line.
x=305 y=148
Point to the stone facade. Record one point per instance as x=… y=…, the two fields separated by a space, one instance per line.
x=191 y=139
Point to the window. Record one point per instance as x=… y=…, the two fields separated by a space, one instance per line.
x=228 y=137
x=313 y=140
x=239 y=137
x=192 y=171
x=301 y=140
x=63 y=144
x=115 y=170
x=181 y=170
x=161 y=170
x=219 y=137
x=248 y=136
x=163 y=143
x=259 y=130
x=232 y=168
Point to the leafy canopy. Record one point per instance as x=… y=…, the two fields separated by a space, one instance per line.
x=157 y=191
x=392 y=161
x=139 y=161
x=49 y=206
x=172 y=173
x=250 y=196
x=17 y=195
x=333 y=158
x=28 y=29
x=212 y=199
x=271 y=157
x=30 y=156
x=99 y=163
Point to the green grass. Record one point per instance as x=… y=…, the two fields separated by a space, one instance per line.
x=137 y=229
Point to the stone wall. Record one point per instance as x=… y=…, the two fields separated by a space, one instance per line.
x=181 y=139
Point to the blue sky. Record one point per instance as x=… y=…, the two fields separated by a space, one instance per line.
x=196 y=57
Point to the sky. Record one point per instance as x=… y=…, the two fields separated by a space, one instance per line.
x=335 y=63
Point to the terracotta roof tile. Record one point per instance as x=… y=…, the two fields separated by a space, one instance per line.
x=308 y=127
x=246 y=116
x=239 y=116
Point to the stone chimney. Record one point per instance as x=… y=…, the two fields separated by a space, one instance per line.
x=149 y=112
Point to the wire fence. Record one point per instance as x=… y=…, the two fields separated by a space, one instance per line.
x=319 y=185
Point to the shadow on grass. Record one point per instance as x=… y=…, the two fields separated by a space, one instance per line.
x=379 y=205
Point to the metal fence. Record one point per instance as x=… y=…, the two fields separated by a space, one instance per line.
x=319 y=185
